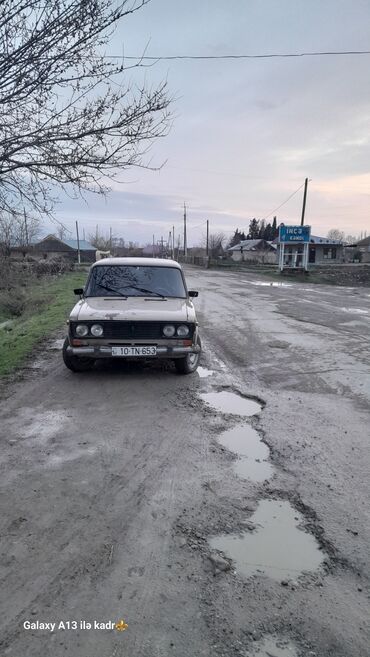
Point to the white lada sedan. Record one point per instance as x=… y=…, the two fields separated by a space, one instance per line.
x=133 y=308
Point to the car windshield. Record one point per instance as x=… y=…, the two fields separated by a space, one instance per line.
x=135 y=281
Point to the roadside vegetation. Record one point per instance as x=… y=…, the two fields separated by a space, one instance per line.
x=35 y=300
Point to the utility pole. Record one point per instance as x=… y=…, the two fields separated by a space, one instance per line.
x=173 y=242
x=153 y=246
x=110 y=238
x=169 y=243
x=25 y=227
x=207 y=242
x=304 y=201
x=78 y=245
x=185 y=243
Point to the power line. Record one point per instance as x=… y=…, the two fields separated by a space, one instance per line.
x=283 y=203
x=333 y=53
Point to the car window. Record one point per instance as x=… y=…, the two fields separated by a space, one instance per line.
x=135 y=281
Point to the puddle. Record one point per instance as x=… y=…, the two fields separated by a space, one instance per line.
x=42 y=427
x=57 y=345
x=203 y=372
x=358 y=311
x=269 y=284
x=58 y=460
x=231 y=402
x=252 y=464
x=271 y=647
x=277 y=549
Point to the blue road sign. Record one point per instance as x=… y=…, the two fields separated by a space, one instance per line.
x=294 y=233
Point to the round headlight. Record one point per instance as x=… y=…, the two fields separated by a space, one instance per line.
x=82 y=330
x=168 y=330
x=183 y=331
x=96 y=330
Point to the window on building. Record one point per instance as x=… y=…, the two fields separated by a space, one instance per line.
x=330 y=253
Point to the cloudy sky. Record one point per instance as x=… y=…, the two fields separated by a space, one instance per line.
x=246 y=133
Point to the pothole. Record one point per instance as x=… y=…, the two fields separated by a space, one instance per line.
x=272 y=647
x=203 y=372
x=253 y=453
x=231 y=402
x=278 y=548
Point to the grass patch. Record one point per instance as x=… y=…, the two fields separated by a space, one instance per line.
x=49 y=303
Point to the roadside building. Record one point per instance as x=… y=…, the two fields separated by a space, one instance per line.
x=259 y=251
x=325 y=251
x=54 y=247
x=358 y=252
x=321 y=251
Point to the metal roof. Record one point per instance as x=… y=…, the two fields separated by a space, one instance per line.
x=248 y=245
x=324 y=240
x=84 y=245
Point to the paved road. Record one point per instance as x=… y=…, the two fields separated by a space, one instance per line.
x=115 y=483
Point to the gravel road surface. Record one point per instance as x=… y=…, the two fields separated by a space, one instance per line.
x=210 y=524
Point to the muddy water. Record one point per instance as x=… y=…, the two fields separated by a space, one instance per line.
x=271 y=647
x=253 y=453
x=231 y=402
x=203 y=372
x=277 y=548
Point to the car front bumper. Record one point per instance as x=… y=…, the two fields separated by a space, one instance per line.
x=105 y=351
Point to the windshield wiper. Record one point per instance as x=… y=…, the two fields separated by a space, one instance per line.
x=145 y=290
x=111 y=289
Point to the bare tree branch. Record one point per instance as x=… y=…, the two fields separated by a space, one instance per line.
x=68 y=116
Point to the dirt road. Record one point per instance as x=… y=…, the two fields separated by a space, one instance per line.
x=133 y=493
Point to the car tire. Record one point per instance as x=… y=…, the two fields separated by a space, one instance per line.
x=189 y=363
x=76 y=363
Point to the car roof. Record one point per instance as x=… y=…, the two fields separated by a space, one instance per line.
x=144 y=262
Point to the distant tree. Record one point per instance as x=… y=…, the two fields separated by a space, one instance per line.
x=275 y=230
x=216 y=243
x=261 y=229
x=17 y=231
x=62 y=232
x=351 y=239
x=335 y=234
x=254 y=229
x=238 y=236
x=100 y=241
x=266 y=232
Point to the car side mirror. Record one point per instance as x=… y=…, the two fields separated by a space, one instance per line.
x=193 y=293
x=79 y=291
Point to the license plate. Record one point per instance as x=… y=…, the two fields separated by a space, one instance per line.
x=134 y=351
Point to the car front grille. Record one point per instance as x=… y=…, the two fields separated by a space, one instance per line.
x=118 y=330
x=132 y=330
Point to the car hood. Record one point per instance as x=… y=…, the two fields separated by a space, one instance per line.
x=133 y=308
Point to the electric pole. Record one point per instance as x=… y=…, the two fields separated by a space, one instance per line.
x=173 y=242
x=169 y=243
x=153 y=246
x=78 y=245
x=207 y=242
x=185 y=243
x=25 y=227
x=304 y=201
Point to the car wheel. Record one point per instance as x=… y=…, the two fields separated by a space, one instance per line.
x=188 y=364
x=76 y=363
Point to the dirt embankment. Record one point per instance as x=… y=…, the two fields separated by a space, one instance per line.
x=349 y=275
